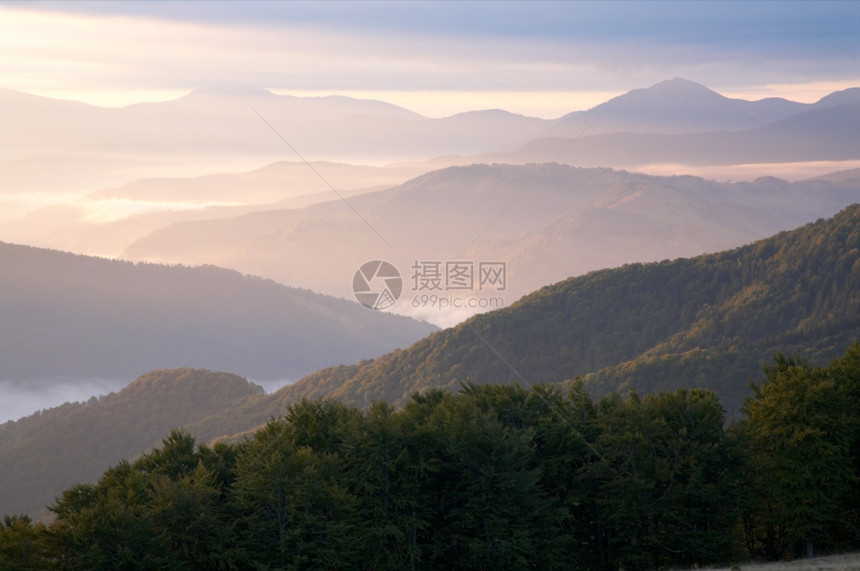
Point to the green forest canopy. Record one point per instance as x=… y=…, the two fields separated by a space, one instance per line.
x=494 y=477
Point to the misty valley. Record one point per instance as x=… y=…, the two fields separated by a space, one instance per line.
x=20 y=399
x=221 y=351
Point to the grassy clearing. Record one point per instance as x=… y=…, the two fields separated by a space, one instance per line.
x=847 y=562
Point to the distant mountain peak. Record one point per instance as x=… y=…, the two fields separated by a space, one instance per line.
x=844 y=97
x=670 y=92
x=209 y=92
x=295 y=107
x=679 y=105
x=490 y=114
x=680 y=83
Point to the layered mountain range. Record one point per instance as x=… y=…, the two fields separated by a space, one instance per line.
x=230 y=207
x=303 y=190
x=545 y=222
x=710 y=321
x=58 y=150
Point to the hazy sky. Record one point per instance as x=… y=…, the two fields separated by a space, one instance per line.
x=436 y=58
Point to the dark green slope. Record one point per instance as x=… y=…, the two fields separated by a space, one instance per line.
x=707 y=321
x=45 y=453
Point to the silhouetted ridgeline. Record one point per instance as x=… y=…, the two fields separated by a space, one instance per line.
x=79 y=316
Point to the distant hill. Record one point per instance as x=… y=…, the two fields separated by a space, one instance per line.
x=679 y=106
x=548 y=222
x=676 y=106
x=45 y=453
x=815 y=134
x=62 y=146
x=169 y=200
x=78 y=316
x=200 y=156
x=844 y=97
x=289 y=107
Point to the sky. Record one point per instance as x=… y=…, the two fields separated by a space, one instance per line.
x=437 y=58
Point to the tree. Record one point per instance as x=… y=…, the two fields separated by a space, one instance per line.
x=491 y=512
x=321 y=425
x=108 y=526
x=663 y=473
x=802 y=424
x=164 y=511
x=565 y=433
x=293 y=511
x=386 y=471
x=188 y=511
x=698 y=479
x=24 y=546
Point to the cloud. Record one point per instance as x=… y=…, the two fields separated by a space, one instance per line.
x=739 y=23
x=475 y=47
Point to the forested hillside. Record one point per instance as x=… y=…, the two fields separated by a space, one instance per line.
x=44 y=453
x=709 y=321
x=495 y=477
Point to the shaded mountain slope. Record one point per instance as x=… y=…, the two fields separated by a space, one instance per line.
x=78 y=316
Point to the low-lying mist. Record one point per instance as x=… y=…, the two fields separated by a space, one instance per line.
x=272 y=386
x=23 y=398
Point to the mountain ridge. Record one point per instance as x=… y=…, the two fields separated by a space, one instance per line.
x=757 y=298
x=48 y=451
x=92 y=317
x=572 y=220
x=675 y=106
x=814 y=134
x=60 y=147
